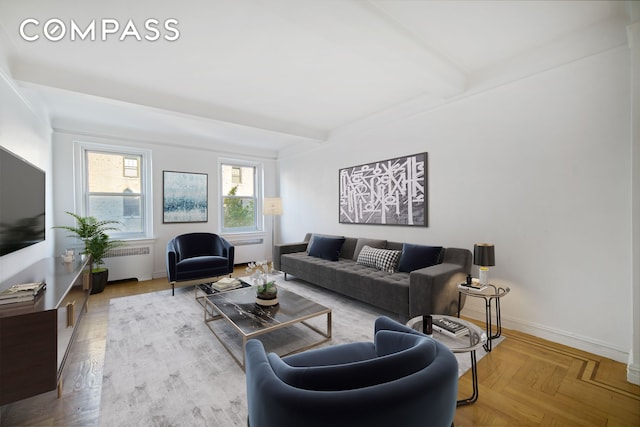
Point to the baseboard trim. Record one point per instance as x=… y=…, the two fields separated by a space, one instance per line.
x=633 y=372
x=159 y=274
x=558 y=336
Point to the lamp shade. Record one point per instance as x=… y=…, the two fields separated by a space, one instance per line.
x=272 y=206
x=484 y=254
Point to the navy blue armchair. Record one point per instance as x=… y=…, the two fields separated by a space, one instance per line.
x=403 y=379
x=196 y=258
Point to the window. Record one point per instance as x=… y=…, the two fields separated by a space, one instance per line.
x=115 y=188
x=236 y=175
x=240 y=183
x=131 y=167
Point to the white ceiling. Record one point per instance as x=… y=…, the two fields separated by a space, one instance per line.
x=270 y=74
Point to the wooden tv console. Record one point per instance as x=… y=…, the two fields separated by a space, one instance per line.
x=35 y=337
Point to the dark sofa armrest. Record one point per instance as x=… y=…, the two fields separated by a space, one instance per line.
x=228 y=251
x=434 y=290
x=172 y=259
x=286 y=248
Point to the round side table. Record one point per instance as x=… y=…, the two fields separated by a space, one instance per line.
x=468 y=342
x=491 y=294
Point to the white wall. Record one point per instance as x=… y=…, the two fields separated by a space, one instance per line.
x=164 y=157
x=540 y=167
x=24 y=132
x=633 y=32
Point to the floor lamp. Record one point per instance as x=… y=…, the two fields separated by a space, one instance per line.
x=272 y=207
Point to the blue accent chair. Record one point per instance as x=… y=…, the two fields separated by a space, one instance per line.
x=196 y=258
x=403 y=378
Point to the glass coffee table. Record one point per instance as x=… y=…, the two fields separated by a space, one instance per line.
x=239 y=309
x=469 y=342
x=204 y=289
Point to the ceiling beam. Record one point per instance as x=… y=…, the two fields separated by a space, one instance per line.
x=364 y=25
x=109 y=90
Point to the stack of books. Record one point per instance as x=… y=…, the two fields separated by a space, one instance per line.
x=474 y=286
x=449 y=327
x=226 y=283
x=23 y=292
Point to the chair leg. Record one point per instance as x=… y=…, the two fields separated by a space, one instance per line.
x=173 y=289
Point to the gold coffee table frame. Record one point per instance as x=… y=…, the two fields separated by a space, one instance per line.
x=238 y=308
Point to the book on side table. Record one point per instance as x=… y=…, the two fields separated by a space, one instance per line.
x=474 y=287
x=449 y=327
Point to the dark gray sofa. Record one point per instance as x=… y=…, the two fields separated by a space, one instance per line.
x=430 y=290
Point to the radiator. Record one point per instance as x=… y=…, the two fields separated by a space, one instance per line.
x=249 y=249
x=130 y=262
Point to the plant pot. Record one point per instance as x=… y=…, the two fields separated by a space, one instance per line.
x=99 y=280
x=267 y=298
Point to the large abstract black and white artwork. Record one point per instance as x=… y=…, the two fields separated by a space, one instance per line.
x=184 y=197
x=391 y=192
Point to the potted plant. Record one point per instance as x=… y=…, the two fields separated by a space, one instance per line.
x=266 y=290
x=96 y=244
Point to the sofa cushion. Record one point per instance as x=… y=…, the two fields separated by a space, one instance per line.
x=199 y=267
x=389 y=291
x=382 y=259
x=326 y=247
x=372 y=243
x=314 y=235
x=415 y=257
x=367 y=257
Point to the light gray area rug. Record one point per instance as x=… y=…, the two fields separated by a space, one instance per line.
x=164 y=367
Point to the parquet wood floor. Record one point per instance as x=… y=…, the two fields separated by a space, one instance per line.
x=525 y=381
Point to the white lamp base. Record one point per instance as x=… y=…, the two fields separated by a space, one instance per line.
x=484 y=276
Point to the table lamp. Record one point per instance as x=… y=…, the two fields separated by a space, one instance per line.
x=484 y=256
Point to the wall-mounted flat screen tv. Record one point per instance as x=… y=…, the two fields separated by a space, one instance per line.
x=22 y=203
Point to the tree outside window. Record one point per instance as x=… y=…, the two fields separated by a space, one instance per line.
x=239 y=200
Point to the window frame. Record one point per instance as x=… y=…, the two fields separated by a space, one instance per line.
x=258 y=196
x=146 y=193
x=126 y=168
